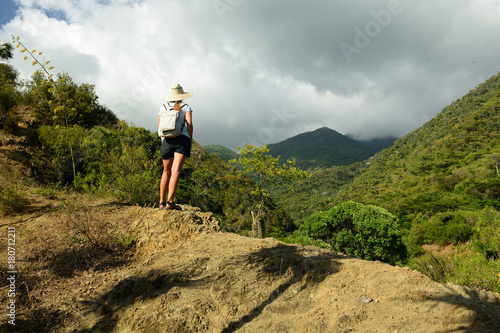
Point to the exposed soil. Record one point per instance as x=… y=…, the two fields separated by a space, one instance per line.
x=185 y=275
x=182 y=274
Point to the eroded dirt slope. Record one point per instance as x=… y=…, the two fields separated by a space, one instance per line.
x=187 y=276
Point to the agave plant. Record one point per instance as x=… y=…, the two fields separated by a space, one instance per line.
x=5 y=50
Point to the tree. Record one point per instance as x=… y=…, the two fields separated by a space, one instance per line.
x=270 y=175
x=64 y=102
x=367 y=231
x=495 y=161
x=5 y=50
x=8 y=94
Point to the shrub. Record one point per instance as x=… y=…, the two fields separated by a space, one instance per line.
x=367 y=231
x=458 y=227
x=11 y=200
x=123 y=162
x=473 y=269
x=8 y=96
x=67 y=103
x=434 y=266
x=306 y=240
x=486 y=231
x=64 y=147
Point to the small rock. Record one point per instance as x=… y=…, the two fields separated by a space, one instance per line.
x=365 y=299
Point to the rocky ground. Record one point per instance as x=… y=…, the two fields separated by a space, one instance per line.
x=184 y=275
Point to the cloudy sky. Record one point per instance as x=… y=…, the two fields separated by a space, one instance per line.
x=262 y=70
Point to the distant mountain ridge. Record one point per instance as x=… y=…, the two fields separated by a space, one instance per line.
x=380 y=143
x=438 y=179
x=321 y=148
x=449 y=163
x=221 y=152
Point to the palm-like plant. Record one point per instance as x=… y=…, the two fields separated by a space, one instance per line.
x=5 y=50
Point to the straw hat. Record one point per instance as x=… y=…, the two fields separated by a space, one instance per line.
x=177 y=94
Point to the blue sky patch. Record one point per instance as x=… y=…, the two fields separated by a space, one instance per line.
x=7 y=12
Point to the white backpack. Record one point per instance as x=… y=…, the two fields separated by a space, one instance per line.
x=171 y=123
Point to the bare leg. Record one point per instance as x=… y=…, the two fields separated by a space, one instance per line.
x=175 y=175
x=165 y=178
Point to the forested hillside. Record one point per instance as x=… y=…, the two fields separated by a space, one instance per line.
x=322 y=148
x=221 y=152
x=440 y=184
x=442 y=181
x=380 y=143
x=57 y=134
x=449 y=164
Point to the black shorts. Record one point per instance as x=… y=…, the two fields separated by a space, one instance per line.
x=180 y=144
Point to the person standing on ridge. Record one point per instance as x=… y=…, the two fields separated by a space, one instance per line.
x=175 y=150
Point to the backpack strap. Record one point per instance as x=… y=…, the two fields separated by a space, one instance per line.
x=182 y=105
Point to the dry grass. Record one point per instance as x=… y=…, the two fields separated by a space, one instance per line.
x=61 y=240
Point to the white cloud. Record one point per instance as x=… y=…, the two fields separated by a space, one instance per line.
x=249 y=63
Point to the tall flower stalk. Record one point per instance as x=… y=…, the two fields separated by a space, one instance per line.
x=46 y=68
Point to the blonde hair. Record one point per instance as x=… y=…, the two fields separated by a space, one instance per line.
x=177 y=106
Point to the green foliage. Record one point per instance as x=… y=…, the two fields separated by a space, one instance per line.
x=8 y=95
x=119 y=162
x=221 y=152
x=366 y=231
x=66 y=103
x=442 y=229
x=448 y=164
x=437 y=267
x=306 y=240
x=122 y=162
x=473 y=269
x=6 y=50
x=486 y=232
x=482 y=226
x=476 y=263
x=271 y=175
x=62 y=101
x=322 y=148
x=12 y=200
x=54 y=141
x=317 y=192
x=9 y=73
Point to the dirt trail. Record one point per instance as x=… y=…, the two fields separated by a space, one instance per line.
x=187 y=276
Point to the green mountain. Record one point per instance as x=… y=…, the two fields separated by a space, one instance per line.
x=451 y=163
x=380 y=143
x=221 y=152
x=321 y=148
x=442 y=181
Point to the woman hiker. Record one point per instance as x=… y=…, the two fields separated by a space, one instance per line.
x=174 y=151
